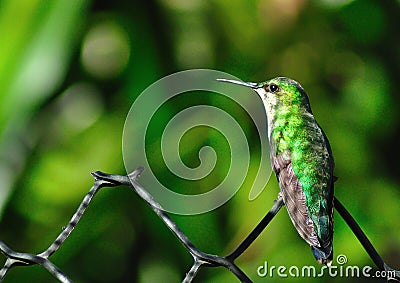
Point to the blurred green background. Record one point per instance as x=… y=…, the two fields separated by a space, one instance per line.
x=70 y=70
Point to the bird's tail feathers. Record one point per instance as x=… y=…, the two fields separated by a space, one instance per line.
x=324 y=256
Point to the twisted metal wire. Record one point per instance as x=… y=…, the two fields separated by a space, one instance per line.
x=200 y=258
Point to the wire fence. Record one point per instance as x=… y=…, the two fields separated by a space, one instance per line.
x=200 y=258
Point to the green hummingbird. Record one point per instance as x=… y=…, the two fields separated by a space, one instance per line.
x=302 y=160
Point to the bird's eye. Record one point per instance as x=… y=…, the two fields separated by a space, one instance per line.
x=273 y=88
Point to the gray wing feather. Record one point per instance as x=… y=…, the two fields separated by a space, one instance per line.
x=294 y=198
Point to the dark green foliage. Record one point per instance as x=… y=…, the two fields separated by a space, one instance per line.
x=69 y=71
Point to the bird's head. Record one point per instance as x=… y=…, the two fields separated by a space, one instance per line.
x=280 y=92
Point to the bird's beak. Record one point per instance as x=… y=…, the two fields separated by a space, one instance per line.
x=251 y=85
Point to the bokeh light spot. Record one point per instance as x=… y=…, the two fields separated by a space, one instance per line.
x=80 y=106
x=105 y=50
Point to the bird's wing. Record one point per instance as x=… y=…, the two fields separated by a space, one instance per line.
x=294 y=198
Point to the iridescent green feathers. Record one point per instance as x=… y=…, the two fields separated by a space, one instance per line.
x=302 y=160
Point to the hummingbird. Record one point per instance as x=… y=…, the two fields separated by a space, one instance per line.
x=302 y=160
